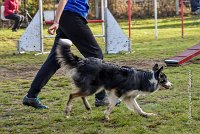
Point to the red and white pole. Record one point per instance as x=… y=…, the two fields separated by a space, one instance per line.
x=182 y=18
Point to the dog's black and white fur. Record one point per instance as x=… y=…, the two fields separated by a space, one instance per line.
x=91 y=75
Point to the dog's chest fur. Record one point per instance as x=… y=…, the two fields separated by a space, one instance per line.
x=94 y=74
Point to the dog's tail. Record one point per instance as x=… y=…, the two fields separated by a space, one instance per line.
x=64 y=55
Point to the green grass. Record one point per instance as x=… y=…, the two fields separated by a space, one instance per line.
x=172 y=106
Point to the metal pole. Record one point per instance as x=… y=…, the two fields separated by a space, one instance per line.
x=97 y=8
x=106 y=3
x=182 y=18
x=103 y=6
x=41 y=26
x=129 y=18
x=156 y=19
x=177 y=7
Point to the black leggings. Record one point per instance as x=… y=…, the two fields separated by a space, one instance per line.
x=17 y=18
x=74 y=27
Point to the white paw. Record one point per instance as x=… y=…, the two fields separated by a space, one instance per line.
x=151 y=114
x=68 y=110
x=148 y=114
x=106 y=119
x=67 y=116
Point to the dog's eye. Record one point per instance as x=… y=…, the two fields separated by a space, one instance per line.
x=161 y=76
x=162 y=81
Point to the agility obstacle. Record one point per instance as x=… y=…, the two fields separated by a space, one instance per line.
x=187 y=54
x=116 y=39
x=184 y=56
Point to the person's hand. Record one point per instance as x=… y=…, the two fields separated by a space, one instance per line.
x=52 y=29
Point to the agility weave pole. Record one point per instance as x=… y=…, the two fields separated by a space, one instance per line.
x=190 y=99
x=32 y=39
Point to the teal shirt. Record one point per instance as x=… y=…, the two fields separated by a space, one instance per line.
x=78 y=6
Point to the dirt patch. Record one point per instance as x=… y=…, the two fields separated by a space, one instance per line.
x=6 y=74
x=29 y=71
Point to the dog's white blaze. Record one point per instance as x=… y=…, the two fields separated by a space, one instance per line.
x=153 y=81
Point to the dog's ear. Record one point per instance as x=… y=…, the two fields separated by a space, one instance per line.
x=159 y=70
x=155 y=68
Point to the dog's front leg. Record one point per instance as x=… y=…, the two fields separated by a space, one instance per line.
x=112 y=102
x=108 y=111
x=139 y=110
x=133 y=105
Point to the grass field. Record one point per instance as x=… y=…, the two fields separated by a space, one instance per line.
x=173 y=107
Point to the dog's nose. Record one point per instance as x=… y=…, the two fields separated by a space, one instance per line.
x=169 y=84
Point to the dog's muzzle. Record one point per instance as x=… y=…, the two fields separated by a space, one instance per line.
x=167 y=85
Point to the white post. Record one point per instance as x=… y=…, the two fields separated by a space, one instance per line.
x=41 y=26
x=156 y=19
x=97 y=8
x=103 y=16
x=106 y=3
x=177 y=7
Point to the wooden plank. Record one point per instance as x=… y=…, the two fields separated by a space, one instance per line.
x=184 y=56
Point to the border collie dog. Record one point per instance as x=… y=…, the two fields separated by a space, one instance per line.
x=91 y=75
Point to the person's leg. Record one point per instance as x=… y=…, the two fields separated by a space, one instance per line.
x=47 y=70
x=76 y=28
x=49 y=67
x=21 y=20
x=16 y=18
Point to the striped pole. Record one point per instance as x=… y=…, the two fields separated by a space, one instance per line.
x=182 y=18
x=41 y=26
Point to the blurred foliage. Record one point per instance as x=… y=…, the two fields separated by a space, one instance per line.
x=119 y=8
x=33 y=5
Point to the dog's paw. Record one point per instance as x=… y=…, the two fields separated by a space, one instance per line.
x=68 y=110
x=152 y=114
x=89 y=112
x=106 y=119
x=148 y=114
x=88 y=108
x=67 y=116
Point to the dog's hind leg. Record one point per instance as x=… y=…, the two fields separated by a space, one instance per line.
x=86 y=103
x=133 y=105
